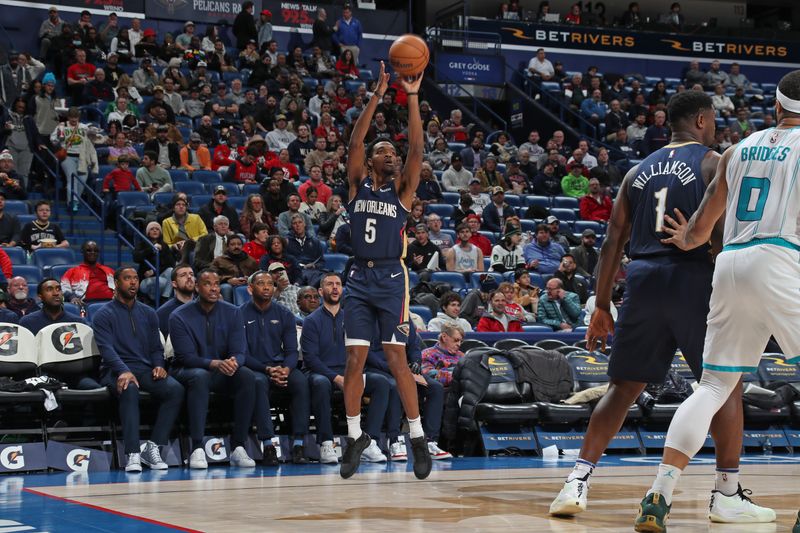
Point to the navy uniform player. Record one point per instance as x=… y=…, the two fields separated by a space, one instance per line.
x=665 y=305
x=377 y=284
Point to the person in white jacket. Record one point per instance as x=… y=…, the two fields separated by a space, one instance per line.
x=450 y=304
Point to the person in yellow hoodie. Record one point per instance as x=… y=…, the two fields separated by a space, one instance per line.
x=182 y=230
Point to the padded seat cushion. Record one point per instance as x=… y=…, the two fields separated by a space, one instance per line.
x=559 y=413
x=504 y=413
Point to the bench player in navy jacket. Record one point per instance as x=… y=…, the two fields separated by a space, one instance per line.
x=324 y=357
x=208 y=338
x=126 y=333
x=430 y=389
x=271 y=347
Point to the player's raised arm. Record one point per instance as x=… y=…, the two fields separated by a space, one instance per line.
x=617 y=235
x=356 y=152
x=698 y=230
x=409 y=180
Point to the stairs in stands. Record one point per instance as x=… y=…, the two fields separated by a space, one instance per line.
x=85 y=227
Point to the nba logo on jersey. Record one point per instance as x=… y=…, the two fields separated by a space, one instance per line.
x=671 y=153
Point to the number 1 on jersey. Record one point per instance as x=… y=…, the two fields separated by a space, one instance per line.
x=369 y=230
x=661 y=208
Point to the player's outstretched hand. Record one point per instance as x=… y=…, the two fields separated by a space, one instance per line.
x=600 y=327
x=411 y=84
x=383 y=80
x=676 y=229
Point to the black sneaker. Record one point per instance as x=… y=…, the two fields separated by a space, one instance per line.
x=299 y=455
x=352 y=455
x=270 y=456
x=422 y=457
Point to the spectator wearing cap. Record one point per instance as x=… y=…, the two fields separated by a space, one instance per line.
x=45 y=115
x=571 y=283
x=194 y=156
x=516 y=179
x=147 y=253
x=495 y=214
x=465 y=256
x=480 y=199
x=507 y=254
x=280 y=137
x=213 y=244
x=244 y=26
x=49 y=30
x=145 y=78
x=456 y=178
x=575 y=183
x=264 y=27
x=429 y=191
x=218 y=205
x=560 y=235
x=168 y=153
x=146 y=47
x=585 y=254
x=11 y=183
x=348 y=33
x=90 y=281
x=463 y=209
x=543 y=255
x=422 y=254
x=489 y=175
x=200 y=75
x=285 y=291
x=234 y=266
x=184 y=40
x=596 y=205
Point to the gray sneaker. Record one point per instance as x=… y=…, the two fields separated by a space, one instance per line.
x=151 y=457
x=134 y=463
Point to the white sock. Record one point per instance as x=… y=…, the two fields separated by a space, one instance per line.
x=583 y=469
x=665 y=482
x=727 y=481
x=354 y=427
x=415 y=428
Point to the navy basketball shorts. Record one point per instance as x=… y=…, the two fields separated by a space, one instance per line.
x=665 y=307
x=376 y=296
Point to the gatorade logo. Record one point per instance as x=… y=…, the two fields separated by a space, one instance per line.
x=78 y=460
x=215 y=449
x=11 y=458
x=8 y=340
x=66 y=340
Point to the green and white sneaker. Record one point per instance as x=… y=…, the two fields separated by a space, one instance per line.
x=737 y=509
x=653 y=514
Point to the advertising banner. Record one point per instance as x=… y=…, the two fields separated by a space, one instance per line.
x=76 y=458
x=474 y=68
x=303 y=14
x=198 y=11
x=23 y=457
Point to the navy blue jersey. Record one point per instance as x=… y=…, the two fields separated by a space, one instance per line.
x=669 y=178
x=377 y=222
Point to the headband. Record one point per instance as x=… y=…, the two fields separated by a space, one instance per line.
x=787 y=103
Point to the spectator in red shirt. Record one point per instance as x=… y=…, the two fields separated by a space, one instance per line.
x=485 y=245
x=596 y=205
x=257 y=248
x=283 y=162
x=245 y=169
x=79 y=74
x=315 y=182
x=5 y=265
x=574 y=15
x=226 y=151
x=90 y=281
x=496 y=320
x=346 y=65
x=121 y=178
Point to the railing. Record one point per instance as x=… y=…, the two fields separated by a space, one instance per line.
x=121 y=239
x=465 y=40
x=74 y=196
x=52 y=168
x=462 y=92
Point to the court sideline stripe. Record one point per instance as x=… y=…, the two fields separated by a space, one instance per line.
x=111 y=511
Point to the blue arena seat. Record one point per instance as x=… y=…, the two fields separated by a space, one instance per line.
x=237 y=202
x=31 y=273
x=536 y=328
x=475 y=277
x=565 y=202
x=16 y=207
x=541 y=201
x=580 y=225
x=250 y=188
x=538 y=280
x=455 y=279
x=564 y=215
x=336 y=262
x=451 y=198
x=190 y=187
x=162 y=198
x=58 y=271
x=207 y=176
x=91 y=309
x=423 y=311
x=240 y=295
x=47 y=257
x=132 y=199
x=178 y=175
x=17 y=255
x=443 y=210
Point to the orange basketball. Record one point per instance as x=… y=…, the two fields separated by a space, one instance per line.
x=409 y=55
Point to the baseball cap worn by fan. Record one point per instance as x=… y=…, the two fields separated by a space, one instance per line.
x=588 y=232
x=551 y=219
x=275 y=267
x=488 y=283
x=497 y=190
x=220 y=189
x=5 y=154
x=195 y=137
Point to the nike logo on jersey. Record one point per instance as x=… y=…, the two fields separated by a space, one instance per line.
x=395 y=275
x=250 y=321
x=385 y=189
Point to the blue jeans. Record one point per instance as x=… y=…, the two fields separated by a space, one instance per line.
x=167 y=392
x=199 y=383
x=70 y=168
x=376 y=386
x=148 y=285
x=432 y=408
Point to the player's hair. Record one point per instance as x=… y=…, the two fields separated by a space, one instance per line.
x=41 y=203
x=686 y=105
x=207 y=271
x=40 y=286
x=542 y=227
x=448 y=298
x=371 y=146
x=254 y=277
x=790 y=87
x=329 y=275
x=180 y=266
x=118 y=272
x=235 y=236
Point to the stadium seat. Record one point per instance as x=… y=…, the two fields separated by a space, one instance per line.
x=163 y=198
x=505 y=401
x=538 y=280
x=240 y=295
x=563 y=215
x=536 y=328
x=566 y=350
x=91 y=309
x=72 y=308
x=31 y=273
x=565 y=202
x=443 y=210
x=16 y=207
x=581 y=225
x=47 y=257
x=476 y=278
x=454 y=279
x=489 y=235
x=185 y=133
x=471 y=344
x=250 y=188
x=528 y=225
x=541 y=201
x=550 y=344
x=423 y=311
x=231 y=188
x=336 y=262
x=207 y=176
x=237 y=202
x=413 y=279
x=197 y=201
x=451 y=198
x=508 y=344
x=178 y=175
x=58 y=271
x=131 y=200
x=190 y=187
x=17 y=255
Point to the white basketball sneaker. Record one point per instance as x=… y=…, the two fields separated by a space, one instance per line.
x=373 y=453
x=572 y=499
x=438 y=453
x=134 y=463
x=737 y=509
x=398 y=452
x=198 y=459
x=239 y=458
x=327 y=454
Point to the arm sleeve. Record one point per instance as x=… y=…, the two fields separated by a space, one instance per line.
x=183 y=343
x=103 y=327
x=309 y=342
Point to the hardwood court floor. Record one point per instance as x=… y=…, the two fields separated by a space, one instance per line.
x=491 y=495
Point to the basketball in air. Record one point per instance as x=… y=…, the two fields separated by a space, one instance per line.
x=409 y=55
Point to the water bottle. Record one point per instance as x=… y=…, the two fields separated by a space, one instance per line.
x=767 y=447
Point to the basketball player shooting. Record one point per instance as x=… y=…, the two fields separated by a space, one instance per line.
x=377 y=284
